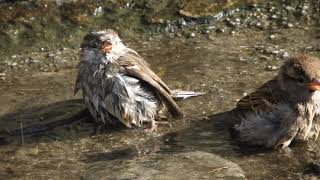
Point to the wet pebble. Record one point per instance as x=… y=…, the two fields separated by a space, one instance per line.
x=287 y=25
x=220 y=30
x=34 y=61
x=98 y=11
x=210 y=28
x=272 y=36
x=178 y=34
x=262 y=25
x=182 y=22
x=203 y=165
x=191 y=35
x=205 y=31
x=289 y=8
x=242 y=59
x=232 y=23
x=285 y=55
x=50 y=55
x=274 y=16
x=272 y=68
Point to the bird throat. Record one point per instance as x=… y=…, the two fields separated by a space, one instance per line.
x=106 y=47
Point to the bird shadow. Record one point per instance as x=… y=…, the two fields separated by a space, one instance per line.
x=214 y=135
x=57 y=121
x=70 y=120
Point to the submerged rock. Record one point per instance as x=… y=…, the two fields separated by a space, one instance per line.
x=188 y=165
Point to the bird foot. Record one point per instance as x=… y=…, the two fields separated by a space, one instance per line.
x=284 y=142
x=154 y=125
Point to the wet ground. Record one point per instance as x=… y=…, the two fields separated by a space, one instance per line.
x=226 y=60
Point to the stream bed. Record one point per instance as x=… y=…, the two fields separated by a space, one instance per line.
x=226 y=57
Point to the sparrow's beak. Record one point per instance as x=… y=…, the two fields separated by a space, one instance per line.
x=314 y=85
x=106 y=47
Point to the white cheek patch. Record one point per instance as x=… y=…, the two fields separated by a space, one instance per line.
x=316 y=101
x=316 y=97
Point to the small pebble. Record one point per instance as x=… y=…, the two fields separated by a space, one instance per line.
x=192 y=35
x=272 y=36
x=272 y=68
x=210 y=28
x=205 y=31
x=289 y=25
x=242 y=59
x=274 y=16
x=220 y=30
x=285 y=55
x=98 y=11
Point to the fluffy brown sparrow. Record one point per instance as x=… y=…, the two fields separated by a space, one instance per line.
x=118 y=84
x=285 y=108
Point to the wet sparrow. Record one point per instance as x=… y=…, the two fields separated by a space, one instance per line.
x=118 y=84
x=285 y=108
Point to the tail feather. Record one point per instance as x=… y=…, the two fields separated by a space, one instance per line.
x=182 y=95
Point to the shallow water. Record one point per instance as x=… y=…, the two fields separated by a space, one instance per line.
x=62 y=141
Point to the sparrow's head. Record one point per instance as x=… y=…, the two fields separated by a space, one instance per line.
x=106 y=41
x=300 y=77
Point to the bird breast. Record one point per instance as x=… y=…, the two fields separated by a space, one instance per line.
x=316 y=102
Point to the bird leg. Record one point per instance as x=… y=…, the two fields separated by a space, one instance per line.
x=153 y=126
x=289 y=132
x=285 y=141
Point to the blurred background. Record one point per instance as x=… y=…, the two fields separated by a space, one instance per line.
x=48 y=27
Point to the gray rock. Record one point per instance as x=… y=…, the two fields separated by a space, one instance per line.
x=188 y=165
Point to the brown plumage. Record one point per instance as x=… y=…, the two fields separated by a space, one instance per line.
x=285 y=108
x=118 y=84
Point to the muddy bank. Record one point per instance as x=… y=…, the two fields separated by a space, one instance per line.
x=33 y=26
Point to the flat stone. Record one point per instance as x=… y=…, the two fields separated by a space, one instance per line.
x=188 y=165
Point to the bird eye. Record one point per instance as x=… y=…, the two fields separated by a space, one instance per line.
x=300 y=80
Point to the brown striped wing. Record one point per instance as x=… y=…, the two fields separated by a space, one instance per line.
x=262 y=98
x=135 y=66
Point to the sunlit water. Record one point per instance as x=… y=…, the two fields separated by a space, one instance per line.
x=64 y=142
